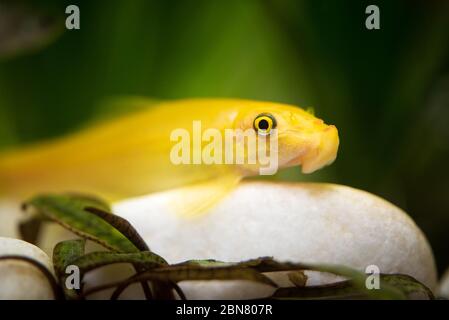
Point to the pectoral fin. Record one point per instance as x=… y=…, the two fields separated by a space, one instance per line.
x=196 y=200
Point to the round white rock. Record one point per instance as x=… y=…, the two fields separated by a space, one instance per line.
x=20 y=280
x=300 y=222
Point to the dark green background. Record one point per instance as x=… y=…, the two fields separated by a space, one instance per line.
x=386 y=90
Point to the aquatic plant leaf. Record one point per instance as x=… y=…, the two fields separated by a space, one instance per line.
x=262 y=264
x=407 y=284
x=90 y=201
x=121 y=225
x=207 y=263
x=89 y=218
x=63 y=254
x=176 y=274
x=358 y=279
x=94 y=260
x=349 y=290
x=69 y=211
x=391 y=287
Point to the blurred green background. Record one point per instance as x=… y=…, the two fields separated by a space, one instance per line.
x=386 y=90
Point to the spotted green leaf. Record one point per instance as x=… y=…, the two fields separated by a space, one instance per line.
x=69 y=211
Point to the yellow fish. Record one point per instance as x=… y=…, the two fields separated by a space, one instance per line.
x=131 y=155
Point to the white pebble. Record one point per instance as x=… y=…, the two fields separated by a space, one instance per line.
x=20 y=280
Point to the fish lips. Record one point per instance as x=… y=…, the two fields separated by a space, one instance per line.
x=317 y=150
x=323 y=153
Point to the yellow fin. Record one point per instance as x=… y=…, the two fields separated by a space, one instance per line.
x=196 y=199
x=310 y=110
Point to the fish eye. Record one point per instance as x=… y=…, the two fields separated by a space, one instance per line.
x=264 y=123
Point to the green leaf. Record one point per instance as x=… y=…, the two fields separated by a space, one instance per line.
x=407 y=284
x=121 y=225
x=207 y=263
x=93 y=260
x=89 y=218
x=358 y=279
x=174 y=274
x=351 y=290
x=177 y=274
x=268 y=264
x=69 y=211
x=63 y=254
x=90 y=201
x=262 y=264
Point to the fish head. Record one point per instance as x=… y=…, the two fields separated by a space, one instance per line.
x=300 y=138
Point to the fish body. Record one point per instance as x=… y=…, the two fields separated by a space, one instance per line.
x=129 y=156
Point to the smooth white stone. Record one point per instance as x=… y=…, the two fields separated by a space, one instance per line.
x=21 y=280
x=300 y=222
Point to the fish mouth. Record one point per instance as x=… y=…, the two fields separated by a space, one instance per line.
x=322 y=152
x=319 y=149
